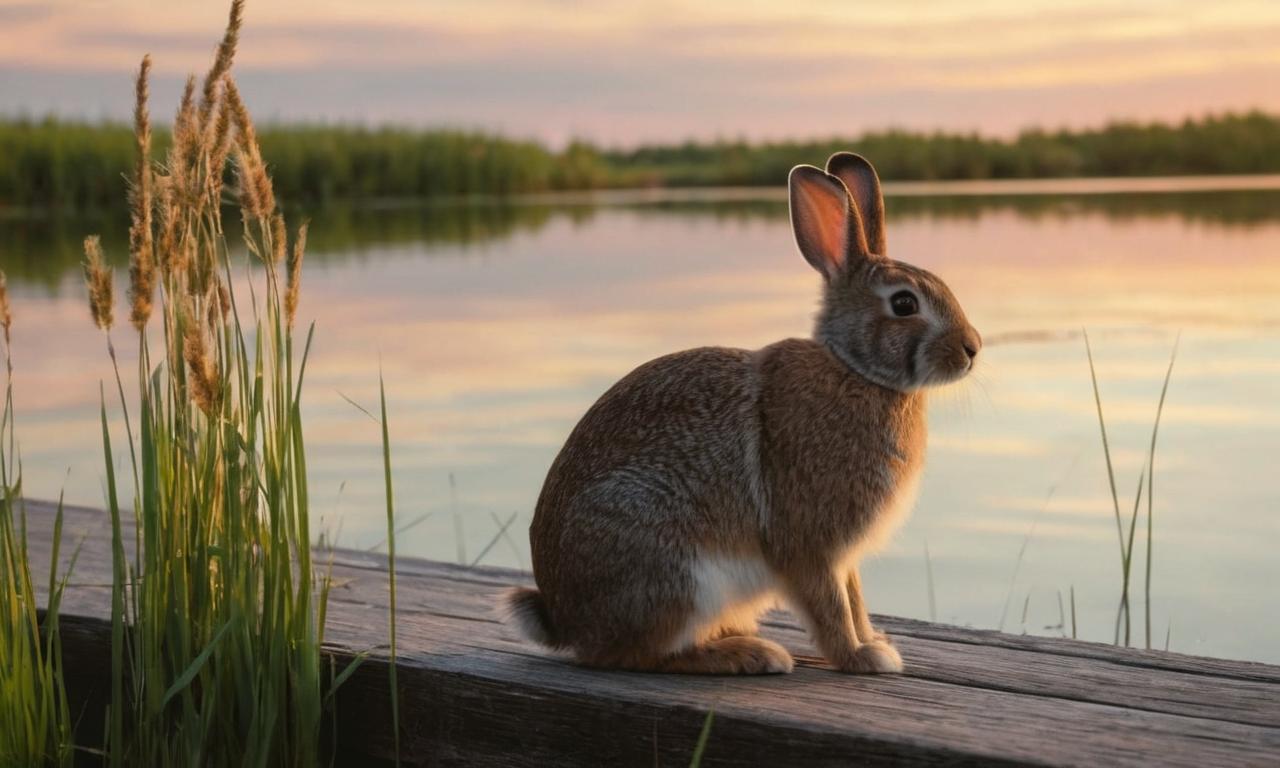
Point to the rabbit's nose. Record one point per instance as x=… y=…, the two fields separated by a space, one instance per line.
x=972 y=343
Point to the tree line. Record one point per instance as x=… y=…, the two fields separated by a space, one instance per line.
x=76 y=165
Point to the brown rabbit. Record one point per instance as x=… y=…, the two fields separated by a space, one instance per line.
x=708 y=484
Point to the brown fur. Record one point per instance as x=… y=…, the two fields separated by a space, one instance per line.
x=707 y=483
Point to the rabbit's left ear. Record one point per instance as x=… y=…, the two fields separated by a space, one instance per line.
x=824 y=220
x=864 y=187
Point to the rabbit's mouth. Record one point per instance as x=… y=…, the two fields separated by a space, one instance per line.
x=950 y=363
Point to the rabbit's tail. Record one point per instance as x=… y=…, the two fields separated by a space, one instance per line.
x=529 y=610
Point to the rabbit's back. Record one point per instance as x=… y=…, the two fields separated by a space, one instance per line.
x=664 y=465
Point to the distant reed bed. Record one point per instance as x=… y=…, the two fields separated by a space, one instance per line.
x=75 y=165
x=71 y=165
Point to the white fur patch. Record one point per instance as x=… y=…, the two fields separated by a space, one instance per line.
x=728 y=591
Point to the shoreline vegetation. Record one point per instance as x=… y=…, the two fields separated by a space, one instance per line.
x=52 y=163
x=219 y=588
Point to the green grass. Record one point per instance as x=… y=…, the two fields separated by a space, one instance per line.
x=1151 y=472
x=217 y=606
x=36 y=726
x=391 y=567
x=1126 y=532
x=1124 y=622
x=703 y=737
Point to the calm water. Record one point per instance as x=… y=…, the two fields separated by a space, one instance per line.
x=497 y=326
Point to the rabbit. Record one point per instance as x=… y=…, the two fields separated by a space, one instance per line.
x=710 y=484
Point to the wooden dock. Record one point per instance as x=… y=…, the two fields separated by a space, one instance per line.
x=473 y=693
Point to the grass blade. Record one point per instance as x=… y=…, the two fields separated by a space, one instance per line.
x=703 y=737
x=115 y=738
x=1151 y=472
x=1106 y=445
x=346 y=672
x=391 y=566
x=502 y=531
x=194 y=668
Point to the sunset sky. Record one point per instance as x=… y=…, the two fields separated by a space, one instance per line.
x=622 y=72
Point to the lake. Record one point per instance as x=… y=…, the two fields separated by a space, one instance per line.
x=497 y=325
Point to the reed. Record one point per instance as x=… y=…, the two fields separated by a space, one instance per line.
x=218 y=609
x=1124 y=610
x=36 y=727
x=1151 y=472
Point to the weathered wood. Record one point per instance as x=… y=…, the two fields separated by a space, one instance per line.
x=472 y=692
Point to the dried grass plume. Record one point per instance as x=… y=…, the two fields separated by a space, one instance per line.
x=256 y=195
x=142 y=264
x=97 y=276
x=222 y=62
x=295 y=274
x=203 y=381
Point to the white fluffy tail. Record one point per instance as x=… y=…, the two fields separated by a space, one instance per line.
x=529 y=610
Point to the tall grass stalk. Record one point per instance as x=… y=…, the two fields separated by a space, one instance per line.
x=1111 y=474
x=503 y=526
x=1124 y=610
x=217 y=618
x=36 y=725
x=391 y=568
x=1128 y=562
x=1151 y=472
x=703 y=737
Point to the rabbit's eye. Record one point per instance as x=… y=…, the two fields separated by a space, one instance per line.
x=904 y=303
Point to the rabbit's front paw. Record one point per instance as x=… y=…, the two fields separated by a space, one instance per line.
x=873 y=635
x=875 y=658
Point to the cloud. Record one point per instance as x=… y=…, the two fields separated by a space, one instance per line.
x=616 y=71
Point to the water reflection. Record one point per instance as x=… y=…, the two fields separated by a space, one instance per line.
x=498 y=324
x=40 y=248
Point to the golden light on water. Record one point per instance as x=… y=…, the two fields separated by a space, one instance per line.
x=493 y=348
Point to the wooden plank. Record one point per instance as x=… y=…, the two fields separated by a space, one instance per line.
x=473 y=692
x=1160 y=660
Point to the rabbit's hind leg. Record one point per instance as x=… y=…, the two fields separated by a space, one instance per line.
x=730 y=656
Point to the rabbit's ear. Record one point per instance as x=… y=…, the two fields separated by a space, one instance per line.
x=864 y=186
x=823 y=219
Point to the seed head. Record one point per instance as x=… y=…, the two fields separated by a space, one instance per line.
x=257 y=198
x=167 y=246
x=142 y=277
x=279 y=238
x=218 y=147
x=222 y=62
x=184 y=152
x=97 y=276
x=295 y=274
x=224 y=301
x=202 y=379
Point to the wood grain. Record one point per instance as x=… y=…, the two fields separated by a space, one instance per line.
x=473 y=693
